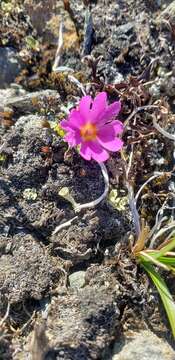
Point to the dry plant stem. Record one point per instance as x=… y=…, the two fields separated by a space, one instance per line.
x=77 y=83
x=57 y=68
x=132 y=200
x=156 y=227
x=145 y=183
x=163 y=230
x=63 y=68
x=28 y=322
x=64 y=225
x=146 y=107
x=130 y=161
x=161 y=130
x=6 y=314
x=97 y=201
x=132 y=203
x=59 y=48
x=170 y=236
x=159 y=216
x=165 y=243
x=160 y=233
x=133 y=208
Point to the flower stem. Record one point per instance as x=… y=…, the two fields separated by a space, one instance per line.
x=97 y=201
x=91 y=204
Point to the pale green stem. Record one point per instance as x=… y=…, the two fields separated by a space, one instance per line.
x=103 y=196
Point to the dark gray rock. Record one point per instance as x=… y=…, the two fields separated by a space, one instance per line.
x=81 y=325
x=27 y=271
x=25 y=103
x=10 y=66
x=9 y=93
x=125 y=28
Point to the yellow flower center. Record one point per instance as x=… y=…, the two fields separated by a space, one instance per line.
x=88 y=132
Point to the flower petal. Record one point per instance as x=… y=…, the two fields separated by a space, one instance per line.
x=98 y=107
x=111 y=112
x=97 y=152
x=66 y=125
x=73 y=138
x=113 y=145
x=76 y=119
x=84 y=107
x=107 y=138
x=118 y=126
x=85 y=151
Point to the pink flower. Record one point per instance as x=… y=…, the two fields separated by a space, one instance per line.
x=92 y=126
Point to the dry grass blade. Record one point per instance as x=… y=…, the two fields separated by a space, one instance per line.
x=161 y=232
x=6 y=314
x=161 y=130
x=147 y=182
x=142 y=239
x=168 y=247
x=59 y=48
x=141 y=108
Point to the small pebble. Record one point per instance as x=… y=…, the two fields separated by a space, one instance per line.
x=77 y=279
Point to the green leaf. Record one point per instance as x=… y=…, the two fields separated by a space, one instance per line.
x=168 y=247
x=2 y=158
x=164 y=293
x=147 y=257
x=58 y=129
x=119 y=202
x=168 y=260
x=32 y=43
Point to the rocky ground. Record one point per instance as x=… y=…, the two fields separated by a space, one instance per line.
x=78 y=293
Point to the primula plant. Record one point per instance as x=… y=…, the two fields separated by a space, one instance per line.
x=92 y=126
x=93 y=129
